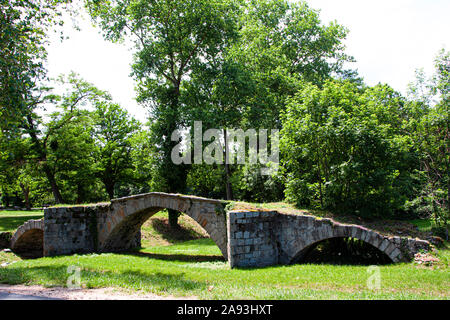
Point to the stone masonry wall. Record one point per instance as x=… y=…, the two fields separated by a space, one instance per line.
x=246 y=238
x=251 y=240
x=70 y=230
x=263 y=238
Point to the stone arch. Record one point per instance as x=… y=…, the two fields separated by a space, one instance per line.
x=120 y=228
x=299 y=247
x=28 y=240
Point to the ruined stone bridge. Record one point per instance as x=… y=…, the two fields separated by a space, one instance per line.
x=245 y=238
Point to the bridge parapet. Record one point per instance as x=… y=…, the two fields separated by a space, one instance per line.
x=261 y=238
x=115 y=226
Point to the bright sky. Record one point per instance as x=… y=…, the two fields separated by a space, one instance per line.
x=388 y=38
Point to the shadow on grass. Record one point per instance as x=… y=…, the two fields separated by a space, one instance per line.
x=12 y=223
x=162 y=227
x=51 y=276
x=177 y=257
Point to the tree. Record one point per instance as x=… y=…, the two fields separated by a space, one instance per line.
x=217 y=96
x=23 y=91
x=283 y=44
x=23 y=32
x=429 y=125
x=345 y=148
x=14 y=170
x=171 y=37
x=246 y=87
x=114 y=130
x=141 y=155
x=79 y=92
x=71 y=152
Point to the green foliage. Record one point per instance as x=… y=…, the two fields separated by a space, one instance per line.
x=113 y=134
x=344 y=147
x=230 y=64
x=206 y=181
x=254 y=187
x=23 y=28
x=430 y=127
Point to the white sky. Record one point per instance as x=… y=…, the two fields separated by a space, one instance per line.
x=388 y=38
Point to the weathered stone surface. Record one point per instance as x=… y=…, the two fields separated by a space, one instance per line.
x=248 y=238
x=255 y=239
x=69 y=230
x=286 y=238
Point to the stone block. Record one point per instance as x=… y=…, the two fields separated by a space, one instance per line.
x=384 y=245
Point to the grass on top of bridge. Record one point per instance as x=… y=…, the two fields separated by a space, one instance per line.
x=417 y=228
x=185 y=263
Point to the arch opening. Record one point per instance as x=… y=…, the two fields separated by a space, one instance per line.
x=125 y=232
x=342 y=251
x=30 y=244
x=157 y=231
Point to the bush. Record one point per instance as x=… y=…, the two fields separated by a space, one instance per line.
x=343 y=148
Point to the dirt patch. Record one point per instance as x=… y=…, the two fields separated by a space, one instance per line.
x=85 y=294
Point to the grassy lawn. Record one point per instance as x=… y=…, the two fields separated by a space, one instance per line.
x=196 y=268
x=10 y=220
x=186 y=263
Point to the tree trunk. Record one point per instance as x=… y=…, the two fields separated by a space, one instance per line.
x=109 y=189
x=55 y=189
x=43 y=157
x=229 y=189
x=26 y=195
x=175 y=175
x=173 y=218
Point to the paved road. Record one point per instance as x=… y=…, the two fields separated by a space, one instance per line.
x=12 y=296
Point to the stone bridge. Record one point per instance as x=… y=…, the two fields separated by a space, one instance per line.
x=28 y=240
x=246 y=239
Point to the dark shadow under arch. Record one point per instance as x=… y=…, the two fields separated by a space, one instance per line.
x=342 y=251
x=30 y=244
x=126 y=235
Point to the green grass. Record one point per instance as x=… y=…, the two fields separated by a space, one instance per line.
x=170 y=265
x=424 y=224
x=10 y=220
x=196 y=268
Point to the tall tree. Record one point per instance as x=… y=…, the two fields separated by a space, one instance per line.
x=279 y=45
x=345 y=148
x=114 y=130
x=429 y=125
x=79 y=92
x=282 y=44
x=24 y=26
x=23 y=29
x=170 y=37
